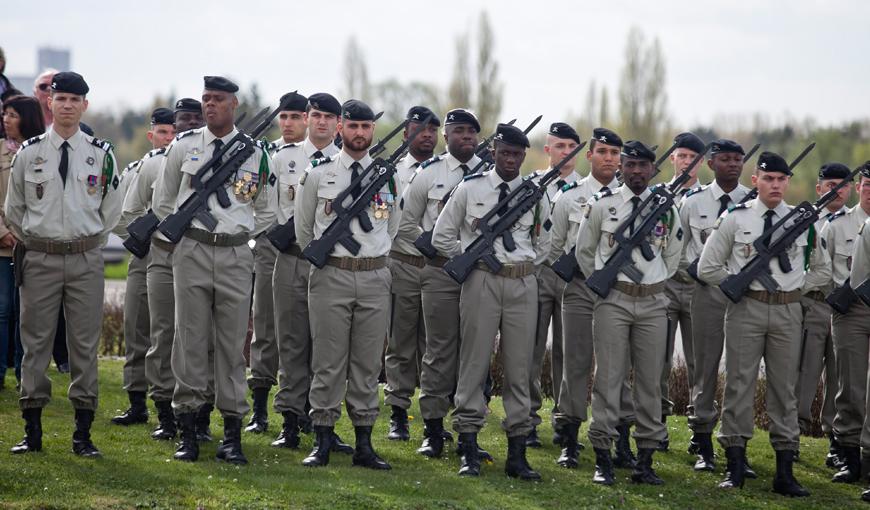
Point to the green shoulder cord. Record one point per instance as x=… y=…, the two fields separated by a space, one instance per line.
x=392 y=186
x=811 y=243
x=108 y=172
x=264 y=173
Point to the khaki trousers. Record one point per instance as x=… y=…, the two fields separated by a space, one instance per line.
x=290 y=291
x=851 y=334
x=407 y=341
x=817 y=357
x=550 y=289
x=679 y=314
x=77 y=282
x=440 y=296
x=348 y=313
x=264 y=347
x=708 y=310
x=137 y=325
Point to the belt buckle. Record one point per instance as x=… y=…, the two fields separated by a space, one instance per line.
x=68 y=247
x=215 y=239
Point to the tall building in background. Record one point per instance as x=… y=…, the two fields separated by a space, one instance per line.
x=46 y=57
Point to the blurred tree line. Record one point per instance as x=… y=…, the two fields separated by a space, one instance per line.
x=637 y=110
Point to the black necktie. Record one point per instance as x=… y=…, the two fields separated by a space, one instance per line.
x=724 y=200
x=218 y=145
x=317 y=155
x=64 y=161
x=502 y=194
x=464 y=169
x=603 y=189
x=635 y=202
x=357 y=189
x=768 y=223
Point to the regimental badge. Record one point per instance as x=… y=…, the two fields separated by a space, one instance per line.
x=328 y=207
x=849 y=263
x=292 y=165
x=610 y=240
x=40 y=190
x=90 y=160
x=38 y=160
x=93 y=184
x=582 y=200
x=194 y=154
x=703 y=236
x=291 y=192
x=474 y=223
x=612 y=211
x=245 y=185
x=747 y=250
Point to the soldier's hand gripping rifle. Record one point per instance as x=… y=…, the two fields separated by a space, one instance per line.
x=842 y=298
x=492 y=225
x=142 y=228
x=792 y=225
x=657 y=204
x=283 y=235
x=318 y=250
x=424 y=242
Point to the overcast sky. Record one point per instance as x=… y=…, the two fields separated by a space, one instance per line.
x=799 y=58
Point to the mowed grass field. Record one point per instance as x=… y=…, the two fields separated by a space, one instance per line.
x=136 y=471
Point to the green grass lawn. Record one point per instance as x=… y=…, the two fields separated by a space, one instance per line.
x=136 y=471
x=117 y=271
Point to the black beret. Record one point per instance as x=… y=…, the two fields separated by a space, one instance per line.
x=865 y=169
x=834 y=171
x=689 y=141
x=637 y=150
x=354 y=109
x=293 y=101
x=772 y=162
x=86 y=129
x=325 y=103
x=220 y=83
x=513 y=135
x=562 y=130
x=68 y=81
x=725 y=145
x=461 y=116
x=187 y=104
x=418 y=113
x=606 y=136
x=162 y=116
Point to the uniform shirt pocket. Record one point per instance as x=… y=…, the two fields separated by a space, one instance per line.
x=39 y=184
x=476 y=211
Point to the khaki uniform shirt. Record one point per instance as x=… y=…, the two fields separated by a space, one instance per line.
x=38 y=203
x=553 y=191
x=730 y=248
x=568 y=212
x=252 y=200
x=406 y=170
x=422 y=201
x=6 y=156
x=699 y=211
x=290 y=162
x=315 y=212
x=473 y=198
x=596 y=242
x=840 y=237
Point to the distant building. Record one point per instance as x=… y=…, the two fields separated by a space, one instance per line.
x=57 y=58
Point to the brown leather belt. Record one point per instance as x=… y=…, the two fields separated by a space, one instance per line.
x=816 y=295
x=437 y=261
x=358 y=264
x=635 y=290
x=213 y=239
x=681 y=278
x=775 y=298
x=53 y=247
x=414 y=260
x=520 y=270
x=163 y=245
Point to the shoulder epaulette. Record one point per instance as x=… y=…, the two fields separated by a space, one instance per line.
x=103 y=144
x=695 y=191
x=433 y=159
x=189 y=132
x=738 y=207
x=570 y=186
x=285 y=146
x=836 y=215
x=473 y=176
x=601 y=194
x=155 y=152
x=322 y=161
x=34 y=140
x=535 y=174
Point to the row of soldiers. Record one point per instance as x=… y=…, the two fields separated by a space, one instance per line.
x=320 y=328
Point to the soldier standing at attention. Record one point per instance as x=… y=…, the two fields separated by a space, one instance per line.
x=136 y=315
x=762 y=325
x=212 y=271
x=407 y=340
x=420 y=207
x=349 y=297
x=63 y=201
x=504 y=302
x=698 y=213
x=630 y=323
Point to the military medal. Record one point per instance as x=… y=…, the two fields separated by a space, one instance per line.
x=747 y=250
x=703 y=236
x=849 y=263
x=92 y=184
x=39 y=191
x=474 y=223
x=291 y=192
x=610 y=240
x=379 y=215
x=328 y=207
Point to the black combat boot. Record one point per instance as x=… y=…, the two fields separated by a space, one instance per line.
x=433 y=438
x=693 y=444
x=339 y=446
x=532 y=440
x=319 y=456
x=166 y=428
x=399 y=430
x=305 y=426
x=734 y=470
x=557 y=435
x=230 y=449
x=624 y=458
x=482 y=454
x=32 y=441
x=570 y=451
x=469 y=454
x=289 y=436
x=82 y=445
x=851 y=470
x=603 y=467
x=832 y=459
x=516 y=465
x=260 y=418
x=705 y=452
x=203 y=423
x=643 y=470
x=784 y=481
x=364 y=455
x=188 y=448
x=137 y=413
x=748 y=472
